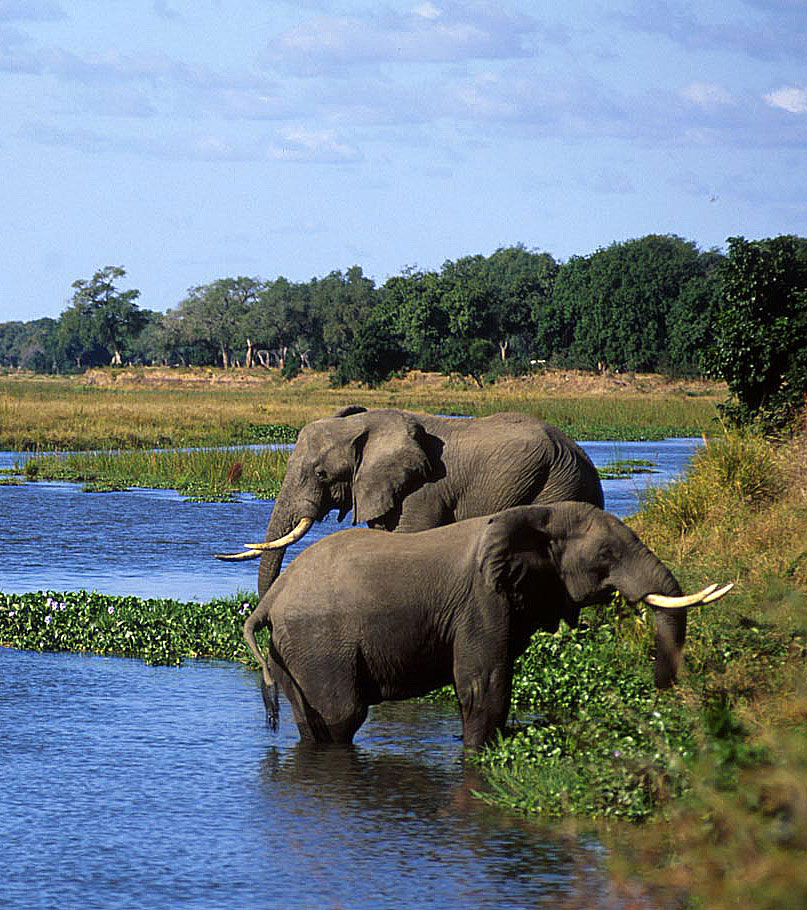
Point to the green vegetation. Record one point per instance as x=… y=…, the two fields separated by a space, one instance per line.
x=154 y=408
x=157 y=631
x=213 y=475
x=646 y=304
x=761 y=348
x=716 y=767
x=715 y=770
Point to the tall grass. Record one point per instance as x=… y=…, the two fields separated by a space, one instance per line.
x=200 y=474
x=718 y=766
x=138 y=409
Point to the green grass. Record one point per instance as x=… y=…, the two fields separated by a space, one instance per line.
x=202 y=475
x=716 y=768
x=139 y=409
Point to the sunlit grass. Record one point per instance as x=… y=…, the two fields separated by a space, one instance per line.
x=717 y=767
x=140 y=409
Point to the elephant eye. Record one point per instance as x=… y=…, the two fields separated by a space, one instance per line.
x=320 y=473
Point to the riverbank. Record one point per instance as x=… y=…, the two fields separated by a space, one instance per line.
x=717 y=768
x=152 y=407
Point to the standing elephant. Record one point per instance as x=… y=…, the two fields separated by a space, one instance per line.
x=403 y=472
x=361 y=617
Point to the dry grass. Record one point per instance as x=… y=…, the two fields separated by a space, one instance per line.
x=130 y=408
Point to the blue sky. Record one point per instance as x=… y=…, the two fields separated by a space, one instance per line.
x=189 y=141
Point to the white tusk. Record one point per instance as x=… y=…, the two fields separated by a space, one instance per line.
x=716 y=595
x=292 y=537
x=238 y=557
x=707 y=595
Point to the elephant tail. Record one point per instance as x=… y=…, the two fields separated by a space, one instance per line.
x=255 y=622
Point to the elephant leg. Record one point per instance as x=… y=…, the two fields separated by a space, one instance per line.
x=329 y=709
x=484 y=697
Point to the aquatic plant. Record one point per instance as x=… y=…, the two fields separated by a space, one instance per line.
x=156 y=631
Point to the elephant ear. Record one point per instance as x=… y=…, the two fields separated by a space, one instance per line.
x=391 y=462
x=513 y=547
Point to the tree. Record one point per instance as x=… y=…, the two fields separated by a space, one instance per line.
x=108 y=318
x=214 y=313
x=761 y=348
x=343 y=304
x=375 y=356
x=278 y=323
x=612 y=308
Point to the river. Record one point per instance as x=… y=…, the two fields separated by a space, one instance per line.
x=123 y=785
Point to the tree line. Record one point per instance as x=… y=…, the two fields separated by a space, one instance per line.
x=656 y=303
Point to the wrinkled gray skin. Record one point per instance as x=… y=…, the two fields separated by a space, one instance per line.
x=362 y=617
x=403 y=472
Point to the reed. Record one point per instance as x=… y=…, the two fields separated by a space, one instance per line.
x=208 y=475
x=717 y=768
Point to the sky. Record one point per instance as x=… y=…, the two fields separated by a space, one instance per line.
x=191 y=141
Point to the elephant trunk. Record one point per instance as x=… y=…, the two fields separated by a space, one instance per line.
x=653 y=577
x=280 y=524
x=671 y=631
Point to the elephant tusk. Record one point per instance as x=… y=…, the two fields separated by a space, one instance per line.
x=716 y=595
x=238 y=557
x=292 y=537
x=707 y=595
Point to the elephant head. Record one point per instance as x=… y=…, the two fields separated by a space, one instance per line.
x=564 y=557
x=367 y=461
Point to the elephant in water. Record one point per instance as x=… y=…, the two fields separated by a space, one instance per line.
x=403 y=472
x=361 y=617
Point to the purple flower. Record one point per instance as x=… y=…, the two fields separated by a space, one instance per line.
x=110 y=610
x=48 y=619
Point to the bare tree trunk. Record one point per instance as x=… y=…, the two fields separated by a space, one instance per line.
x=250 y=356
x=503 y=345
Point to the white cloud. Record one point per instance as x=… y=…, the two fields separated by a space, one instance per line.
x=298 y=143
x=707 y=94
x=427 y=10
x=424 y=34
x=789 y=98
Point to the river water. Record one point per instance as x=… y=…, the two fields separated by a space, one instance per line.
x=123 y=785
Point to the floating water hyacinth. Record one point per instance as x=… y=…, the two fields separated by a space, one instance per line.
x=157 y=631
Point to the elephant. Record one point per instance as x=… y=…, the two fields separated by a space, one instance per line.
x=402 y=472
x=361 y=617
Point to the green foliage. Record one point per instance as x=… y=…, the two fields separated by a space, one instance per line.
x=375 y=356
x=761 y=347
x=292 y=366
x=603 y=742
x=619 y=307
x=200 y=476
x=738 y=469
x=101 y=317
x=156 y=631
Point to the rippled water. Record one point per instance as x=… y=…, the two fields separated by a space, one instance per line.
x=123 y=785
x=132 y=786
